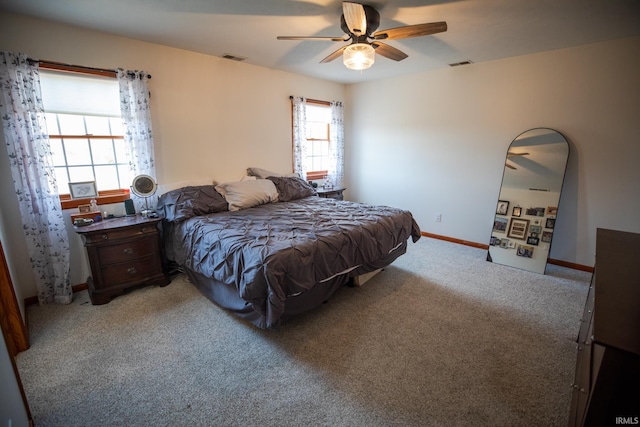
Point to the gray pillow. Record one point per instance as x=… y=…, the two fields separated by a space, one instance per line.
x=264 y=173
x=186 y=202
x=292 y=188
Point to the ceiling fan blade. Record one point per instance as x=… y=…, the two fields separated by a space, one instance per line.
x=333 y=39
x=355 y=17
x=411 y=31
x=510 y=167
x=334 y=55
x=389 y=51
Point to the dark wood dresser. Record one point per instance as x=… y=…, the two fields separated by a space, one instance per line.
x=123 y=253
x=606 y=390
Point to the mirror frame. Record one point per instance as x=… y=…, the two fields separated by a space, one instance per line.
x=527 y=208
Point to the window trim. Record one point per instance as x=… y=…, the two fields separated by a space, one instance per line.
x=58 y=66
x=315 y=175
x=104 y=197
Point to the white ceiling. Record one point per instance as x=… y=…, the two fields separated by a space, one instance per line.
x=479 y=30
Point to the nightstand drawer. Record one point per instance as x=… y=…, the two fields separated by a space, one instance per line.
x=127 y=251
x=130 y=272
x=119 y=233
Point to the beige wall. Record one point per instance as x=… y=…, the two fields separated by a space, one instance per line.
x=436 y=142
x=432 y=142
x=212 y=117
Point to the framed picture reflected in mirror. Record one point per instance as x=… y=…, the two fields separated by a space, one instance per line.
x=518 y=228
x=503 y=207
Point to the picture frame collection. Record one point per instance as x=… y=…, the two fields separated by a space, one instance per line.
x=531 y=231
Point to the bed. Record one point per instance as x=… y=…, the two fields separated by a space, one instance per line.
x=269 y=249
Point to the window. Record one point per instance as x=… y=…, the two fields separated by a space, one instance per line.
x=318 y=139
x=85 y=131
x=87 y=148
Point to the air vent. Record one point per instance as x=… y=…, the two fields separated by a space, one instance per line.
x=456 y=64
x=233 y=57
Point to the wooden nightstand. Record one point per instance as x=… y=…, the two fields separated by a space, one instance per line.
x=331 y=193
x=123 y=253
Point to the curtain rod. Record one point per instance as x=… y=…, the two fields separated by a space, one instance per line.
x=317 y=101
x=70 y=67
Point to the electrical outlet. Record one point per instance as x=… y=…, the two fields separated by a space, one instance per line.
x=438 y=217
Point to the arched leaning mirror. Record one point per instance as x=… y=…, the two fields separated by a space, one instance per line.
x=524 y=223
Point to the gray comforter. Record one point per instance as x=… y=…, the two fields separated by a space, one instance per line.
x=272 y=253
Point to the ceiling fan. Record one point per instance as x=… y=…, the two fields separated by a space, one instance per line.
x=360 y=22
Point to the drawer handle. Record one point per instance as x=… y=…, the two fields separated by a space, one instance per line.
x=143 y=230
x=105 y=237
x=128 y=251
x=131 y=271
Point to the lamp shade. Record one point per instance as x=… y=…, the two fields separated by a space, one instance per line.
x=359 y=56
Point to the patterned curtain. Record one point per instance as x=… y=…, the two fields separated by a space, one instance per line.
x=336 y=145
x=30 y=158
x=299 y=106
x=135 y=107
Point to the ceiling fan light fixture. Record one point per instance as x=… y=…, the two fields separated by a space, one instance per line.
x=359 y=56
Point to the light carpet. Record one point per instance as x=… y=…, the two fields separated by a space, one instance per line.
x=439 y=338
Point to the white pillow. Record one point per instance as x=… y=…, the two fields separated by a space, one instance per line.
x=247 y=194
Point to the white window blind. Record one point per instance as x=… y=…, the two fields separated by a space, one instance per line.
x=79 y=94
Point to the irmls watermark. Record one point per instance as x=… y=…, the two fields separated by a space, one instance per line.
x=628 y=421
